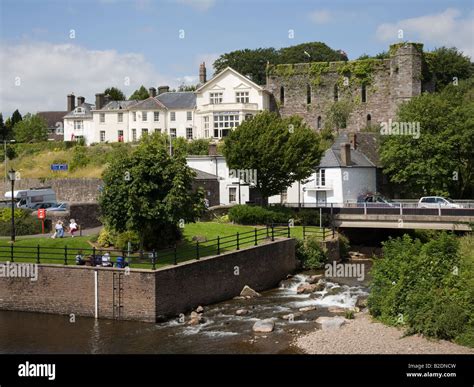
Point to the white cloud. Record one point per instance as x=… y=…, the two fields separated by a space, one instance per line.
x=48 y=72
x=201 y=5
x=448 y=28
x=320 y=17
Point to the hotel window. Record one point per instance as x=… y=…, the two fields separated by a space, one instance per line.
x=157 y=130
x=144 y=116
x=102 y=117
x=144 y=132
x=224 y=123
x=120 y=117
x=173 y=132
x=189 y=116
x=189 y=133
x=156 y=116
x=172 y=116
x=134 y=135
x=78 y=124
x=215 y=98
x=364 y=94
x=242 y=97
x=206 y=127
x=232 y=194
x=120 y=135
x=102 y=136
x=134 y=115
x=321 y=177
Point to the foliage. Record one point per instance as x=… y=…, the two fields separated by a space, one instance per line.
x=310 y=253
x=106 y=237
x=79 y=158
x=32 y=128
x=281 y=150
x=441 y=160
x=140 y=94
x=425 y=286
x=244 y=214
x=5 y=130
x=115 y=94
x=337 y=115
x=310 y=218
x=252 y=63
x=25 y=224
x=15 y=118
x=149 y=192
x=344 y=246
x=184 y=87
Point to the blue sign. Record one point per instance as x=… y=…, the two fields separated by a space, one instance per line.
x=59 y=167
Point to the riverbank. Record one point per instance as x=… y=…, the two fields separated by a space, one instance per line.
x=363 y=335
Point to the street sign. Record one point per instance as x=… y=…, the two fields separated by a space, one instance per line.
x=41 y=213
x=59 y=167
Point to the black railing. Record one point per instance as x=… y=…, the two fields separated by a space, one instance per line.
x=146 y=259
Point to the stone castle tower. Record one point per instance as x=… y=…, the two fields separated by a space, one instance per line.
x=369 y=90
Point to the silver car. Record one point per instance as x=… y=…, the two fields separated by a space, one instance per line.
x=436 y=202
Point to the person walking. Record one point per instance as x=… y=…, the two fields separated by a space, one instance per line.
x=72 y=227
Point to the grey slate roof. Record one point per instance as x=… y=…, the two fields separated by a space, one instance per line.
x=88 y=111
x=201 y=175
x=368 y=143
x=148 y=104
x=178 y=100
x=332 y=156
x=52 y=118
x=118 y=105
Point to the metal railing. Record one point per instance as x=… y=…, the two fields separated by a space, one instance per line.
x=170 y=256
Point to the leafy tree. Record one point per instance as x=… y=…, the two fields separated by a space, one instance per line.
x=184 y=87
x=140 y=94
x=149 y=192
x=318 y=52
x=337 y=115
x=3 y=128
x=16 y=117
x=441 y=160
x=115 y=94
x=32 y=128
x=280 y=150
x=443 y=64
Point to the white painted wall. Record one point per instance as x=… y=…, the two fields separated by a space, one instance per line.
x=88 y=130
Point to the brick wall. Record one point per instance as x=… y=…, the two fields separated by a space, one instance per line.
x=149 y=295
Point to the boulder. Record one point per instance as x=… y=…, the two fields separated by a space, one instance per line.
x=330 y=322
x=306 y=288
x=241 y=312
x=264 y=326
x=361 y=302
x=291 y=315
x=199 y=309
x=307 y=309
x=337 y=310
x=196 y=318
x=248 y=292
x=314 y=278
x=239 y=298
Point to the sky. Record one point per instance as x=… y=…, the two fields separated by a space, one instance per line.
x=51 y=48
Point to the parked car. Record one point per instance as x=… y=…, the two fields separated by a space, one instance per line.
x=437 y=201
x=374 y=200
x=58 y=207
x=38 y=206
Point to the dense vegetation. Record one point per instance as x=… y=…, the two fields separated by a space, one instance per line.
x=427 y=287
x=25 y=224
x=310 y=253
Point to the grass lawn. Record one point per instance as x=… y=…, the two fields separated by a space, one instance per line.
x=25 y=249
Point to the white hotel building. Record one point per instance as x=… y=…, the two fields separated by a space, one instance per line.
x=212 y=111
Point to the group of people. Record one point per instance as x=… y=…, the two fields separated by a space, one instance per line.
x=59 y=229
x=100 y=260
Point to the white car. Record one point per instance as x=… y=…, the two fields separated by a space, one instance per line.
x=436 y=202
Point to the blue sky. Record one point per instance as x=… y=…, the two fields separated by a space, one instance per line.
x=140 y=39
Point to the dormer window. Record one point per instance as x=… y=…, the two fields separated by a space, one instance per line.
x=79 y=110
x=215 y=98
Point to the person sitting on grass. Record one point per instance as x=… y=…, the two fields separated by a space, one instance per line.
x=58 y=230
x=80 y=258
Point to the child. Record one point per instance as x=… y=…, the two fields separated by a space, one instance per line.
x=72 y=227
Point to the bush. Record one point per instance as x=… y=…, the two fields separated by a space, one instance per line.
x=310 y=253
x=344 y=246
x=244 y=214
x=79 y=158
x=25 y=224
x=428 y=287
x=311 y=218
x=106 y=237
x=122 y=239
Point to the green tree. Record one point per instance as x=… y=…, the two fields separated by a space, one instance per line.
x=337 y=115
x=318 y=52
x=149 y=192
x=441 y=160
x=115 y=94
x=16 y=117
x=140 y=94
x=3 y=128
x=184 y=87
x=280 y=150
x=443 y=64
x=32 y=128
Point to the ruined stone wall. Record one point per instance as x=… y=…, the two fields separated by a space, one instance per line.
x=387 y=83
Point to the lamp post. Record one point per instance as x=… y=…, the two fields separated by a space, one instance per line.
x=5 y=155
x=11 y=176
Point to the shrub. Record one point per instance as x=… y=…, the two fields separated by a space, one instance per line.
x=25 y=224
x=310 y=253
x=244 y=214
x=344 y=246
x=122 y=239
x=311 y=218
x=106 y=237
x=79 y=158
x=428 y=287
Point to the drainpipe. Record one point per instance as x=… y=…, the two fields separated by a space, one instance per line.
x=96 y=294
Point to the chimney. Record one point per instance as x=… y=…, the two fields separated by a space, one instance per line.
x=99 y=101
x=80 y=101
x=152 y=92
x=353 y=140
x=163 y=89
x=212 y=149
x=71 y=102
x=202 y=73
x=345 y=154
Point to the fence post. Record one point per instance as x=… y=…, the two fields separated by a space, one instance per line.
x=324 y=233
x=38 y=253
x=365 y=208
x=154 y=259
x=439 y=209
x=255 y=232
x=197 y=249
x=289 y=235
x=11 y=252
x=333 y=231
x=238 y=247
x=304 y=231
x=65 y=255
x=175 y=259
x=267 y=231
x=273 y=232
x=401 y=209
x=218 y=245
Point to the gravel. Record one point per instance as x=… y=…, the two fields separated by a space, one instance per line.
x=365 y=336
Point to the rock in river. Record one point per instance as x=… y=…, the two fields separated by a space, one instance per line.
x=241 y=312
x=264 y=326
x=330 y=322
x=247 y=291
